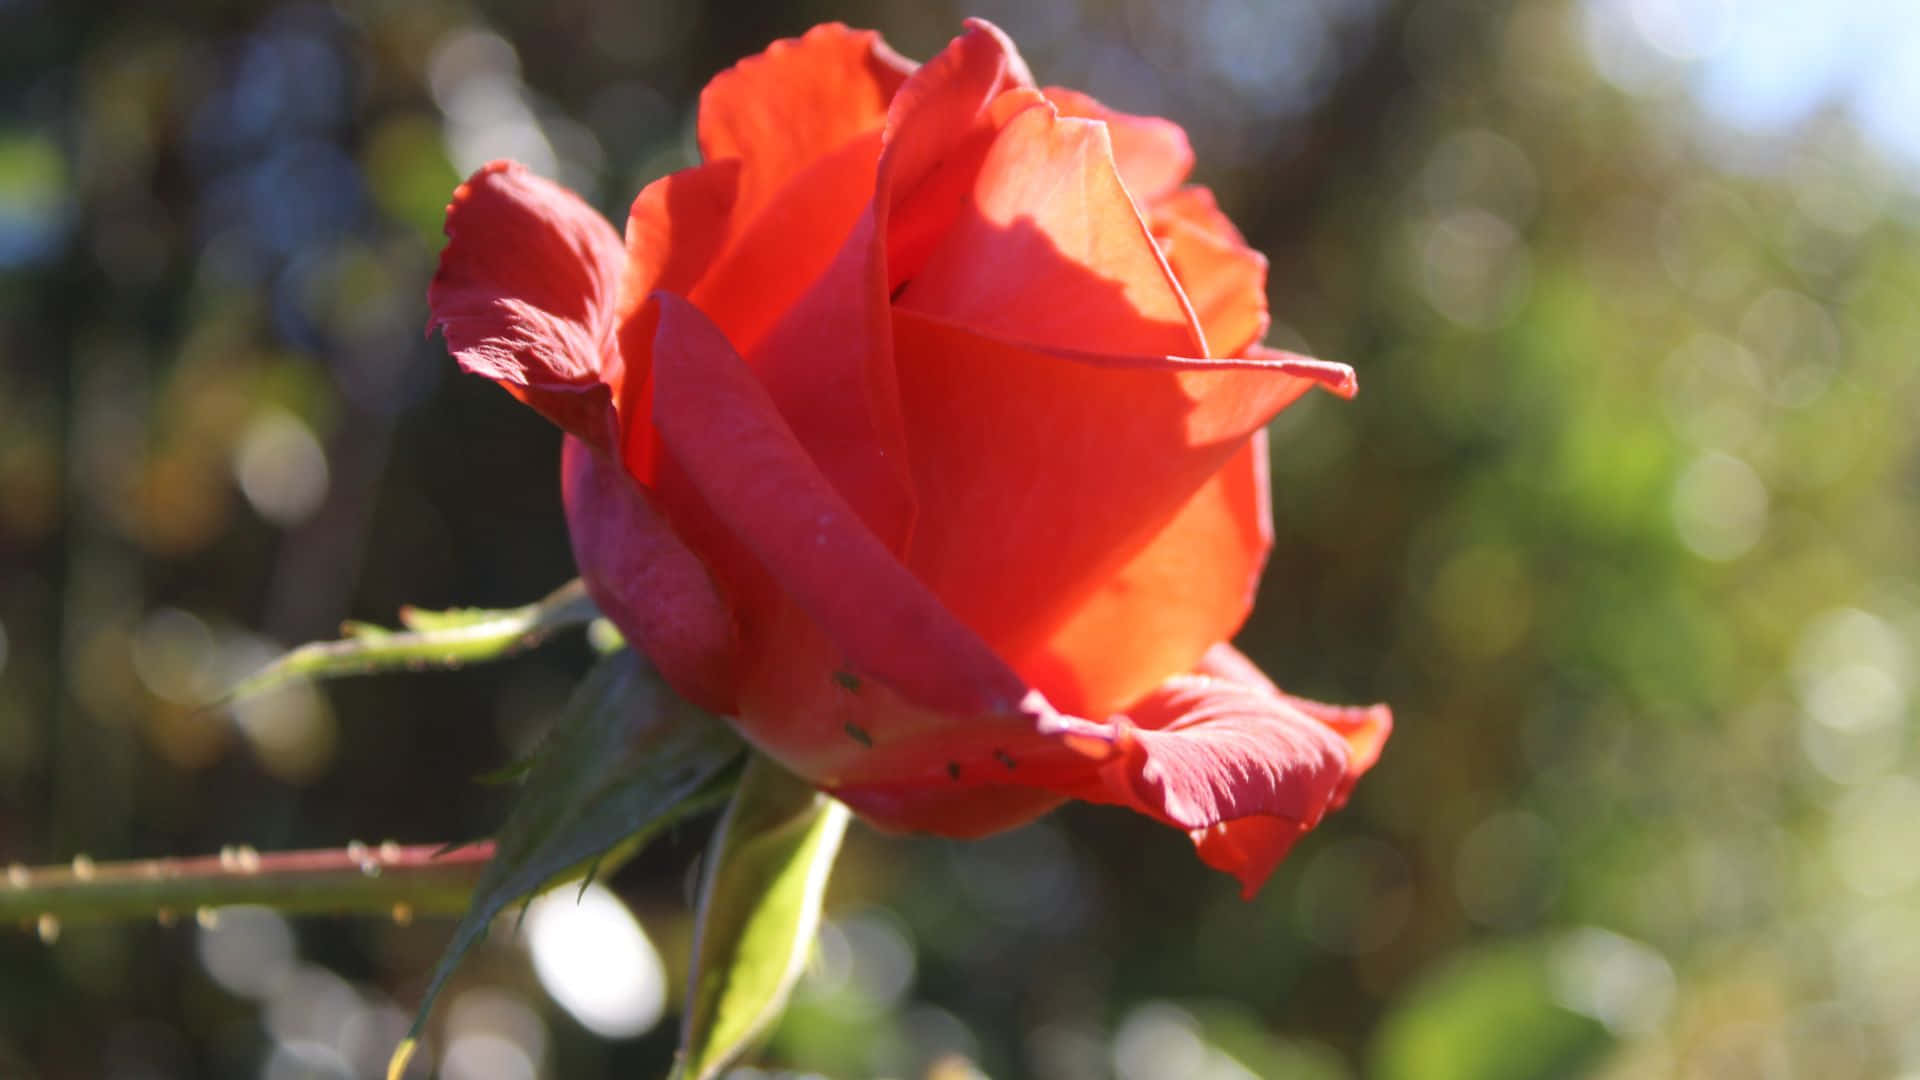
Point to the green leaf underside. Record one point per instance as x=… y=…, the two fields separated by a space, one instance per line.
x=626 y=759
x=431 y=639
x=759 y=908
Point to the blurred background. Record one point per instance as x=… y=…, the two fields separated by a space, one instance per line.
x=1622 y=525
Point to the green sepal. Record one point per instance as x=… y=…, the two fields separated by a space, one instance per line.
x=760 y=899
x=627 y=758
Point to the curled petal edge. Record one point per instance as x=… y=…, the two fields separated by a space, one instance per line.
x=1243 y=769
x=525 y=295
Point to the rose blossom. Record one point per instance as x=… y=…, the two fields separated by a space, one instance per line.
x=919 y=431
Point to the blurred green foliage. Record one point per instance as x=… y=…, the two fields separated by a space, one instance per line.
x=1622 y=525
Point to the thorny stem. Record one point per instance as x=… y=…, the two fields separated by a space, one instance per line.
x=387 y=879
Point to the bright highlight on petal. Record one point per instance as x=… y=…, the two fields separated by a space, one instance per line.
x=1049 y=250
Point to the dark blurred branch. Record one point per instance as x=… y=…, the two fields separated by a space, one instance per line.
x=358 y=878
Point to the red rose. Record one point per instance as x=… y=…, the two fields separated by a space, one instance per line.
x=919 y=432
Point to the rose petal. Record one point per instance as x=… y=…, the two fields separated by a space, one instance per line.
x=799 y=100
x=1304 y=371
x=1152 y=153
x=1050 y=250
x=1365 y=727
x=818 y=260
x=744 y=461
x=961 y=811
x=1224 y=279
x=676 y=229
x=1191 y=586
x=1223 y=661
x=1196 y=206
x=525 y=296
x=1207 y=750
x=775 y=257
x=948 y=98
x=1250 y=849
x=1040 y=473
x=644 y=578
x=1243 y=770
x=939 y=128
x=828 y=365
x=1337 y=379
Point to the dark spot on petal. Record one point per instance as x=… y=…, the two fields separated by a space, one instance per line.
x=1003 y=758
x=953 y=770
x=859 y=734
x=848 y=681
x=898 y=289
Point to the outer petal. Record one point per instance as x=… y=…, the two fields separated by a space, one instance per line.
x=1208 y=750
x=643 y=578
x=1049 y=250
x=1225 y=280
x=1196 y=206
x=1244 y=770
x=1153 y=154
x=828 y=360
x=1191 y=586
x=771 y=268
x=1250 y=848
x=525 y=295
x=774 y=259
x=1365 y=727
x=744 y=461
x=677 y=228
x=803 y=293
x=951 y=97
x=829 y=367
x=1042 y=472
x=939 y=129
x=800 y=99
